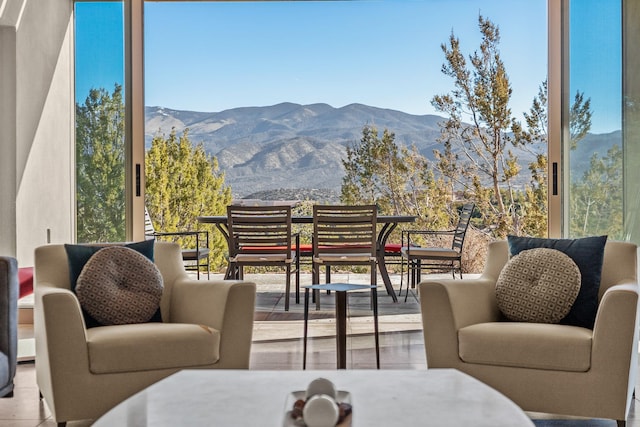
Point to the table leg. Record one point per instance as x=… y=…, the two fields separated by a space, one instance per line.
x=341 y=329
x=306 y=321
x=385 y=231
x=231 y=273
x=374 y=295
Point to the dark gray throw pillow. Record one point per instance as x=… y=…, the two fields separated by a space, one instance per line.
x=588 y=254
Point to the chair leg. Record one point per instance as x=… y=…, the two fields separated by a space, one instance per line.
x=327 y=277
x=315 y=270
x=401 y=276
x=374 y=300
x=374 y=280
x=297 y=280
x=306 y=325
x=411 y=277
x=287 y=289
x=409 y=267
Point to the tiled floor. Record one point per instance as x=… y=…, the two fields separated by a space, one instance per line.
x=278 y=345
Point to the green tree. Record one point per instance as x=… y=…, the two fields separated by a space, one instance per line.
x=100 y=173
x=397 y=179
x=375 y=172
x=480 y=134
x=182 y=183
x=479 y=125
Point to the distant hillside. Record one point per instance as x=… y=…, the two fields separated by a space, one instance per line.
x=580 y=158
x=291 y=146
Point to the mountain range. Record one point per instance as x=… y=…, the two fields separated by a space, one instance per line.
x=299 y=148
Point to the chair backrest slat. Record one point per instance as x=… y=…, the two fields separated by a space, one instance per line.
x=148 y=225
x=461 y=228
x=259 y=228
x=344 y=229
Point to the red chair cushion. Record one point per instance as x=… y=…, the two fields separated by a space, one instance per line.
x=25 y=277
x=394 y=248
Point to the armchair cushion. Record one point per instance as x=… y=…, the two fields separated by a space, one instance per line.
x=538 y=285
x=119 y=286
x=147 y=346
x=527 y=345
x=588 y=254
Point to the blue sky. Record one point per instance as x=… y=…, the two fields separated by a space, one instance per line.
x=596 y=59
x=385 y=53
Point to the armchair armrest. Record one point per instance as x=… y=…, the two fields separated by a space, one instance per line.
x=443 y=232
x=406 y=234
x=448 y=305
x=178 y=233
x=61 y=338
x=616 y=326
x=188 y=233
x=469 y=301
x=226 y=305
x=59 y=309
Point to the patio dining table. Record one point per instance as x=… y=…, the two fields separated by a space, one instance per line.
x=388 y=222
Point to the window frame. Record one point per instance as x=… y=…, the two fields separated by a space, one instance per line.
x=558 y=113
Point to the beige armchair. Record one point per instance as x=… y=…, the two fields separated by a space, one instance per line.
x=547 y=368
x=82 y=373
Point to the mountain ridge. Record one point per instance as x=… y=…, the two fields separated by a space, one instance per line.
x=289 y=146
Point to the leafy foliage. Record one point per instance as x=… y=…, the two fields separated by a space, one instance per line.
x=480 y=97
x=182 y=183
x=396 y=179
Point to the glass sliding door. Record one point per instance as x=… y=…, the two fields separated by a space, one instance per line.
x=631 y=117
x=595 y=145
x=100 y=121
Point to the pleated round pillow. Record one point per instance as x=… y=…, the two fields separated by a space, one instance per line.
x=538 y=285
x=119 y=286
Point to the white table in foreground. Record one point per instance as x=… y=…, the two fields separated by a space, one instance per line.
x=435 y=397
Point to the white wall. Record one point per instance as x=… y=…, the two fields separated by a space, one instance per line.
x=36 y=127
x=7 y=144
